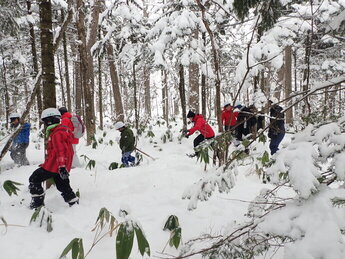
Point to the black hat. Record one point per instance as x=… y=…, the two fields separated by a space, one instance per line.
x=190 y=114
x=62 y=110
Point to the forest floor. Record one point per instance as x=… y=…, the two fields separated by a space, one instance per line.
x=150 y=193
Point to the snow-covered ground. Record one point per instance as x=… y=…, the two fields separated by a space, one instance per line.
x=150 y=192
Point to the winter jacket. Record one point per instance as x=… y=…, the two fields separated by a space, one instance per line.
x=246 y=122
x=202 y=126
x=276 y=122
x=66 y=121
x=23 y=137
x=59 y=151
x=127 y=140
x=229 y=117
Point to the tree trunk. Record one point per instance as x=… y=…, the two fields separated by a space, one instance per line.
x=203 y=83
x=7 y=96
x=165 y=96
x=288 y=82
x=182 y=95
x=216 y=65
x=78 y=82
x=47 y=54
x=194 y=81
x=115 y=83
x=147 y=90
x=68 y=86
x=61 y=82
x=136 y=109
x=34 y=58
x=100 y=93
x=87 y=69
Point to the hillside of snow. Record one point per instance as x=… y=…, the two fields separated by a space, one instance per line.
x=150 y=192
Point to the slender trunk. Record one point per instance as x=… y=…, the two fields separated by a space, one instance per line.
x=165 y=96
x=61 y=82
x=194 y=81
x=47 y=54
x=136 y=110
x=147 y=91
x=203 y=82
x=100 y=93
x=7 y=96
x=68 y=86
x=182 y=95
x=25 y=86
x=216 y=65
x=87 y=71
x=115 y=83
x=34 y=58
x=78 y=82
x=288 y=82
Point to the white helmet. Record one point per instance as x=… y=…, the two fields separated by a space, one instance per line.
x=49 y=112
x=14 y=115
x=273 y=99
x=226 y=104
x=119 y=125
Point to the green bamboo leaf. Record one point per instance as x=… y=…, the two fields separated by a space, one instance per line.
x=35 y=214
x=69 y=247
x=176 y=237
x=143 y=245
x=81 y=249
x=172 y=223
x=75 y=250
x=124 y=241
x=265 y=158
x=113 y=166
x=11 y=187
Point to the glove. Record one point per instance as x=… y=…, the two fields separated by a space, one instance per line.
x=185 y=132
x=63 y=173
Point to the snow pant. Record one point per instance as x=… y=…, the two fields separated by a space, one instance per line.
x=40 y=175
x=128 y=158
x=198 y=140
x=275 y=141
x=18 y=154
x=75 y=161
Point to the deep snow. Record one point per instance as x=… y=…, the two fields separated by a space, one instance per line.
x=150 y=192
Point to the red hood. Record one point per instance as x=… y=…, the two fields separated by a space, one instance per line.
x=66 y=115
x=198 y=116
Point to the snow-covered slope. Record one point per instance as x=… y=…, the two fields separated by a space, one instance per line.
x=150 y=192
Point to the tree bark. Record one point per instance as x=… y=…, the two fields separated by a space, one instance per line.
x=87 y=68
x=203 y=83
x=65 y=55
x=288 y=82
x=100 y=93
x=165 y=97
x=194 y=81
x=136 y=109
x=147 y=90
x=47 y=54
x=216 y=65
x=182 y=91
x=7 y=96
x=115 y=83
x=34 y=58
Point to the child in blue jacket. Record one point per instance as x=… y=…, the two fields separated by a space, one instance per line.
x=21 y=142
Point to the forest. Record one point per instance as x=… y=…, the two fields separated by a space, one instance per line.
x=147 y=63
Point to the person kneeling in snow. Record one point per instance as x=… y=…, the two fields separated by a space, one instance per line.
x=206 y=132
x=58 y=161
x=127 y=141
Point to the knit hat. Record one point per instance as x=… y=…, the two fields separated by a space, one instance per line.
x=62 y=110
x=190 y=114
x=226 y=104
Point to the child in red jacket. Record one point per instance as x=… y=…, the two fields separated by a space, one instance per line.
x=206 y=132
x=57 y=163
x=229 y=117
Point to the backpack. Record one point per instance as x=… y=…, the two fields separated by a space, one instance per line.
x=79 y=127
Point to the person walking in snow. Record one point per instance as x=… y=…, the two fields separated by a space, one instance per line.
x=57 y=163
x=21 y=142
x=66 y=120
x=276 y=131
x=126 y=143
x=229 y=117
x=206 y=132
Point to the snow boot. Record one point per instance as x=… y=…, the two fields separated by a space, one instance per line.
x=37 y=201
x=73 y=201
